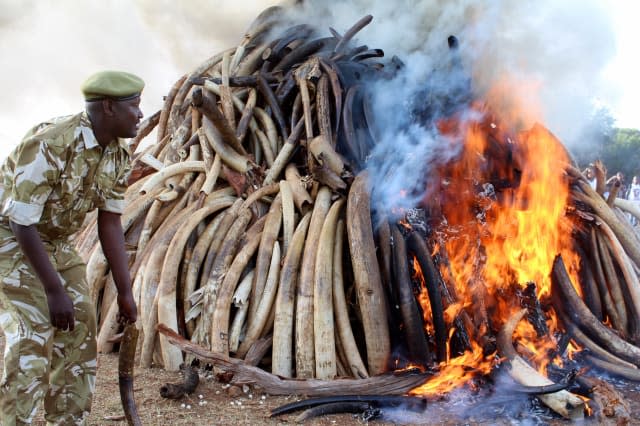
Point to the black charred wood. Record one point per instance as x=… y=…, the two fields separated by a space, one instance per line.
x=417 y=246
x=535 y=315
x=413 y=326
x=501 y=167
x=296 y=32
x=187 y=387
x=285 y=88
x=352 y=72
x=453 y=42
x=302 y=52
x=410 y=403
x=368 y=54
x=438 y=100
x=460 y=340
x=352 y=407
x=348 y=142
x=588 y=284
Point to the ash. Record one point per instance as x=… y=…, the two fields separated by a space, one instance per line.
x=499 y=405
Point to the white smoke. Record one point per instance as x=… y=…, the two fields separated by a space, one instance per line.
x=47 y=48
x=558 y=50
x=562 y=47
x=553 y=53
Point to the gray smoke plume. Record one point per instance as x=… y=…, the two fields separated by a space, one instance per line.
x=553 y=51
x=551 y=54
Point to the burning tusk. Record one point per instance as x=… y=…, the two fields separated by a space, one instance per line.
x=204 y=102
x=418 y=246
x=414 y=328
x=562 y=402
x=301 y=197
x=227 y=153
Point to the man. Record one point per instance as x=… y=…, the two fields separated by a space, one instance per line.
x=590 y=174
x=60 y=171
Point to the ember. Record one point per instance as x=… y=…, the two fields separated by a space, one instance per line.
x=253 y=234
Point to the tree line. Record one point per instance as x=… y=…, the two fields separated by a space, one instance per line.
x=617 y=148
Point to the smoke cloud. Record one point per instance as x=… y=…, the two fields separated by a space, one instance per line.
x=47 y=48
x=552 y=53
x=546 y=58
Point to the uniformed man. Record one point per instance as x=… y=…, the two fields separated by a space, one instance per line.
x=62 y=169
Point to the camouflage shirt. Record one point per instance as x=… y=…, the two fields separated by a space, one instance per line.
x=59 y=173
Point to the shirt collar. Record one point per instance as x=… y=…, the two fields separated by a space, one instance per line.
x=86 y=130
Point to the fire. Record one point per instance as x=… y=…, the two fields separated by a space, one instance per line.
x=503 y=202
x=457 y=372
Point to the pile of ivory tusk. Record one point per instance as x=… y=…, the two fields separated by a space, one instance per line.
x=248 y=221
x=605 y=317
x=244 y=220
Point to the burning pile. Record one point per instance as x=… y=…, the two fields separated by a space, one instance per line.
x=250 y=230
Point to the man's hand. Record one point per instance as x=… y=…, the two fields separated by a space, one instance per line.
x=128 y=312
x=60 y=310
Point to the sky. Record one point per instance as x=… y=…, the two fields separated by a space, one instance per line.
x=624 y=70
x=583 y=49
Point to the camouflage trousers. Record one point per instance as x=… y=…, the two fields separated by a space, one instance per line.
x=42 y=363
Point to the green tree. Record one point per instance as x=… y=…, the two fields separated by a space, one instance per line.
x=595 y=138
x=623 y=153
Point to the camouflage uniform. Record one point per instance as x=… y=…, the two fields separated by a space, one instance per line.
x=52 y=179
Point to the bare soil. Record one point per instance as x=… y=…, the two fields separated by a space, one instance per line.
x=215 y=403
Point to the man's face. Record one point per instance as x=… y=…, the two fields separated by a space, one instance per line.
x=126 y=117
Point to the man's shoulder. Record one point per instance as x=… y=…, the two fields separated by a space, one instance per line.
x=60 y=132
x=55 y=127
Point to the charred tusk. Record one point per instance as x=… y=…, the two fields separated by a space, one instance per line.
x=562 y=402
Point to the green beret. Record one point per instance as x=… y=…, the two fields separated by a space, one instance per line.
x=118 y=85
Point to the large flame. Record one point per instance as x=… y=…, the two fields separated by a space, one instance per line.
x=504 y=201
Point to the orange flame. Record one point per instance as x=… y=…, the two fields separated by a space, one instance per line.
x=504 y=201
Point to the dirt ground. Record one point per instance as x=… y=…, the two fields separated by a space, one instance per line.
x=215 y=403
